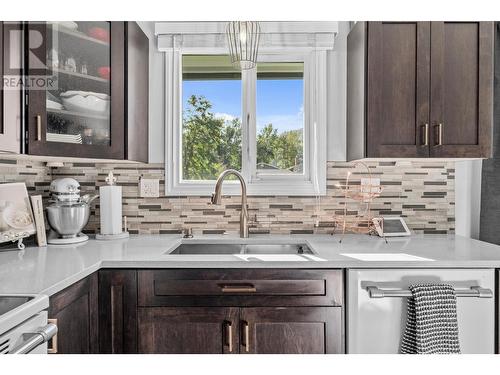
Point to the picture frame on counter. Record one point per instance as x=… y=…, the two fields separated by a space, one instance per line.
x=391 y=227
x=37 y=205
x=16 y=217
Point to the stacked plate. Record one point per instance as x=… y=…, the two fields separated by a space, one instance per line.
x=65 y=138
x=86 y=101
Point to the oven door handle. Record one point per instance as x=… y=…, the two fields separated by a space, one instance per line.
x=35 y=339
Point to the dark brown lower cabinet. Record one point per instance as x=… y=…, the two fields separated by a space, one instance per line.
x=291 y=330
x=245 y=311
x=218 y=311
x=75 y=311
x=232 y=330
x=188 y=330
x=117 y=311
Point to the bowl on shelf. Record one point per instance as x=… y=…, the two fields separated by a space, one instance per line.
x=66 y=24
x=86 y=101
x=104 y=72
x=99 y=33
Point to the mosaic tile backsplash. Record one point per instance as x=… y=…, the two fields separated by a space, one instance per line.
x=422 y=192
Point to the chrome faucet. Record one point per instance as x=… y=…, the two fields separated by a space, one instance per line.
x=217 y=195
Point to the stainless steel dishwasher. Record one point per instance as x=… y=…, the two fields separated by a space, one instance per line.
x=377 y=298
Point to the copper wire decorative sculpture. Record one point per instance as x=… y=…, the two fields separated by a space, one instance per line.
x=359 y=195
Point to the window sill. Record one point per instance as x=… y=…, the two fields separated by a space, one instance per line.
x=274 y=188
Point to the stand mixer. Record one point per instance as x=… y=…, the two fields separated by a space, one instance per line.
x=68 y=212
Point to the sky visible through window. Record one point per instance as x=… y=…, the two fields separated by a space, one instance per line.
x=279 y=102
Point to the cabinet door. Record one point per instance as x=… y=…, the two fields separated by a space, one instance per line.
x=397 y=101
x=76 y=98
x=188 y=330
x=75 y=309
x=291 y=330
x=10 y=92
x=461 y=89
x=118 y=311
x=137 y=100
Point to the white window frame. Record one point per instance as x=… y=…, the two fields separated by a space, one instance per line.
x=311 y=183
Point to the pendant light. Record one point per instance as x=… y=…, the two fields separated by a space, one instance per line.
x=243 y=40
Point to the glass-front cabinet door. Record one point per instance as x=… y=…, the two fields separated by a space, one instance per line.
x=75 y=91
x=10 y=92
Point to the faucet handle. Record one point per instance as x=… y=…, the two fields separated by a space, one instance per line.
x=253 y=222
x=188 y=233
x=216 y=198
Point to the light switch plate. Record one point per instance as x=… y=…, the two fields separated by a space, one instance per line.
x=149 y=188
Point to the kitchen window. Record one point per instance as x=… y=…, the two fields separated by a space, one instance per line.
x=268 y=123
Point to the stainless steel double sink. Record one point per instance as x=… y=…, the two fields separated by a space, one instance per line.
x=235 y=248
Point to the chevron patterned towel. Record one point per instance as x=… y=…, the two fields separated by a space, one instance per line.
x=431 y=324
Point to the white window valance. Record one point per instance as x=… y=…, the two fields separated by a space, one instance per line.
x=274 y=35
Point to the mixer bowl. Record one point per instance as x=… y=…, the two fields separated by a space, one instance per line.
x=68 y=220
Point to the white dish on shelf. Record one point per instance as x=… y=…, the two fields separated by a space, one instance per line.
x=67 y=24
x=65 y=138
x=85 y=101
x=54 y=105
x=70 y=93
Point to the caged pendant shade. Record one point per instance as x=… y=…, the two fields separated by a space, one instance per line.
x=243 y=40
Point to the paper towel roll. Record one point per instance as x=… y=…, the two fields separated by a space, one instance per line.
x=111 y=209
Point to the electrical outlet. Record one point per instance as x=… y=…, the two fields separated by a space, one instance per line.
x=149 y=188
x=370 y=185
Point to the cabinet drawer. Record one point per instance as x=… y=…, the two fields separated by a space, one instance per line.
x=240 y=287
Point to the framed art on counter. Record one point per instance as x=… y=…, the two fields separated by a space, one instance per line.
x=16 y=218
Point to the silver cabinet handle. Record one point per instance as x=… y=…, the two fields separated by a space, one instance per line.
x=426 y=134
x=473 y=291
x=35 y=339
x=229 y=333
x=440 y=134
x=238 y=288
x=38 y=127
x=246 y=335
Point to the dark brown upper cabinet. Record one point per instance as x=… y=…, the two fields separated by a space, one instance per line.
x=461 y=89
x=11 y=90
x=420 y=89
x=89 y=93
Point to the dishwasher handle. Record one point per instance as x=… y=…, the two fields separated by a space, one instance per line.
x=35 y=339
x=473 y=291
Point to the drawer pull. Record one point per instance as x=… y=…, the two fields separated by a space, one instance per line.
x=238 y=288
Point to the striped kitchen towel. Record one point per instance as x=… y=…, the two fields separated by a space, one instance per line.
x=431 y=323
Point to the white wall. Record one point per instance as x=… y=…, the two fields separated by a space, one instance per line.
x=468 y=197
x=156 y=96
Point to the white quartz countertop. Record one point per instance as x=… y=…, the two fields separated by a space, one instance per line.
x=51 y=269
